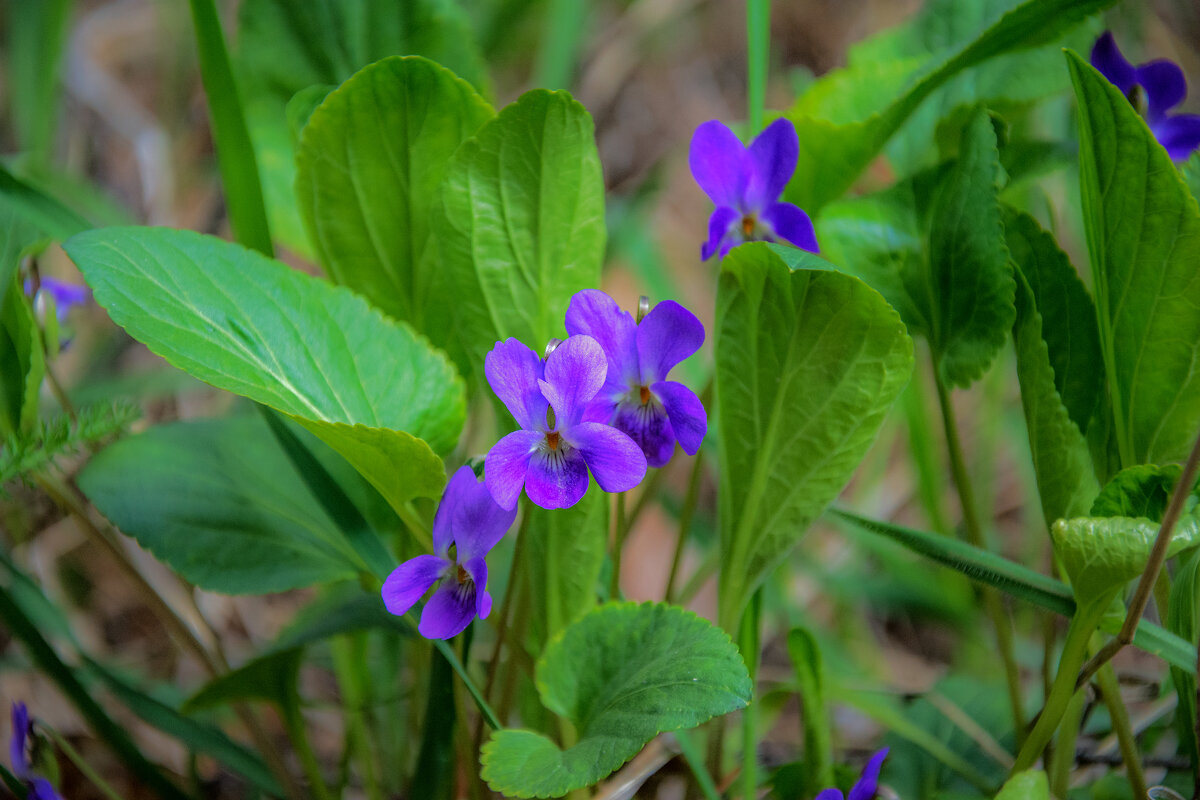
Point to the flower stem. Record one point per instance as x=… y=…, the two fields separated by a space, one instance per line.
x=758 y=49
x=685 y=522
x=81 y=764
x=750 y=643
x=614 y=587
x=1111 y=694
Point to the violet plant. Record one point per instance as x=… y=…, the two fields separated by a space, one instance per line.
x=766 y=417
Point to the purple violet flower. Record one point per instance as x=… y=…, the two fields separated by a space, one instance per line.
x=66 y=295
x=745 y=183
x=39 y=787
x=551 y=455
x=868 y=782
x=636 y=396
x=469 y=520
x=1153 y=88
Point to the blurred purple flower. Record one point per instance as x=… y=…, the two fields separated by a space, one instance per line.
x=551 y=455
x=636 y=396
x=745 y=183
x=1154 y=88
x=867 y=784
x=65 y=295
x=39 y=787
x=469 y=520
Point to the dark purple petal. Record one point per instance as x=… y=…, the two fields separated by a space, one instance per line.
x=669 y=334
x=575 y=371
x=647 y=424
x=557 y=478
x=1107 y=58
x=1165 y=87
x=689 y=420
x=720 y=163
x=869 y=782
x=505 y=464
x=479 y=522
x=792 y=225
x=449 y=611
x=16 y=745
x=721 y=232
x=409 y=581
x=614 y=459
x=593 y=313
x=830 y=794
x=458 y=488
x=1180 y=134
x=42 y=790
x=477 y=569
x=513 y=372
x=773 y=153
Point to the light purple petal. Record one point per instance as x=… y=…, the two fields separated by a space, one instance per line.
x=869 y=782
x=720 y=232
x=513 y=372
x=505 y=464
x=477 y=569
x=409 y=581
x=668 y=334
x=792 y=225
x=1180 y=134
x=647 y=424
x=830 y=794
x=614 y=459
x=773 y=153
x=1107 y=58
x=557 y=479
x=449 y=611
x=1165 y=87
x=16 y=745
x=689 y=420
x=575 y=371
x=457 y=489
x=720 y=163
x=479 y=522
x=593 y=313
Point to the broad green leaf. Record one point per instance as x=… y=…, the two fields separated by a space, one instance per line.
x=219 y=502
x=1183 y=620
x=367 y=386
x=521 y=227
x=1028 y=785
x=1143 y=234
x=622 y=674
x=968 y=296
x=370 y=160
x=286 y=46
x=1190 y=170
x=1063 y=467
x=832 y=156
x=567 y=546
x=1141 y=491
x=808 y=363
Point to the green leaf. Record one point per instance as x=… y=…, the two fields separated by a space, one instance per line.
x=219 y=502
x=1143 y=233
x=1141 y=491
x=367 y=386
x=1183 y=620
x=1190 y=170
x=832 y=156
x=808 y=363
x=369 y=164
x=22 y=362
x=1029 y=785
x=521 y=227
x=1056 y=343
x=622 y=674
x=805 y=655
x=969 y=286
x=271 y=678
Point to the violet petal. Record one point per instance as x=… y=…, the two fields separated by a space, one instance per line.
x=1180 y=134
x=479 y=523
x=1107 y=58
x=649 y=427
x=720 y=163
x=614 y=459
x=409 y=581
x=505 y=465
x=558 y=478
x=720 y=227
x=458 y=488
x=575 y=371
x=689 y=420
x=774 y=154
x=830 y=794
x=669 y=334
x=449 y=611
x=513 y=372
x=593 y=313
x=1165 y=87
x=477 y=569
x=43 y=790
x=869 y=782
x=791 y=224
x=16 y=745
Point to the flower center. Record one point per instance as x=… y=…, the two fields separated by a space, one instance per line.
x=645 y=394
x=552 y=439
x=749 y=223
x=463 y=576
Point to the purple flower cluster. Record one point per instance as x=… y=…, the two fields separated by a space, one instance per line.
x=1154 y=88
x=39 y=787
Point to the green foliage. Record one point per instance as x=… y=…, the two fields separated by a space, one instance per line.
x=808 y=363
x=1183 y=620
x=521 y=225
x=22 y=361
x=1141 y=491
x=1028 y=785
x=622 y=674
x=24 y=454
x=367 y=386
x=1143 y=234
x=370 y=161
x=805 y=655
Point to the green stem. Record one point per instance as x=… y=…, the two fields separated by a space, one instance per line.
x=614 y=587
x=695 y=761
x=758 y=50
x=1062 y=758
x=560 y=44
x=293 y=722
x=991 y=600
x=685 y=522
x=350 y=661
x=750 y=643
x=81 y=764
x=1111 y=694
